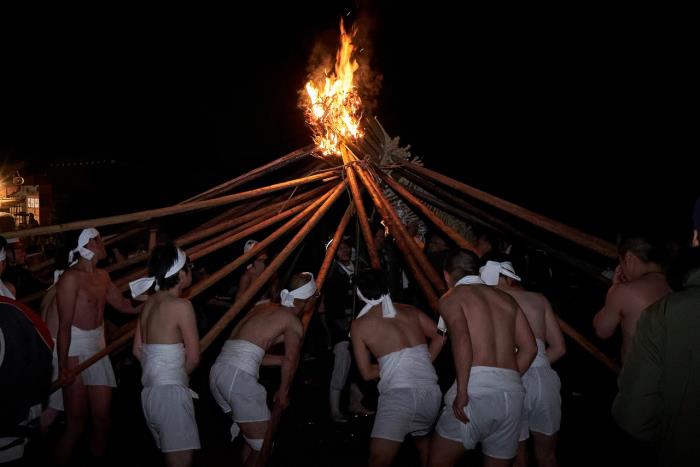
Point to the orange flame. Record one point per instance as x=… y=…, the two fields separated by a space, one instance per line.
x=334 y=107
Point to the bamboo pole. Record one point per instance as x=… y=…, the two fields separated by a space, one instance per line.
x=253 y=174
x=581 y=238
x=587 y=345
x=177 y=209
x=267 y=273
x=415 y=202
x=361 y=213
x=401 y=241
x=400 y=229
x=272 y=425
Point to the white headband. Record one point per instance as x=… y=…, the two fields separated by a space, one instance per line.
x=85 y=236
x=139 y=286
x=57 y=275
x=302 y=293
x=388 y=310
x=248 y=245
x=493 y=269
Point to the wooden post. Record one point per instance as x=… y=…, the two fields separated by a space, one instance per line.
x=447 y=230
x=361 y=213
x=177 y=209
x=587 y=345
x=581 y=238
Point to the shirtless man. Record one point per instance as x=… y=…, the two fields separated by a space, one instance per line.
x=234 y=376
x=167 y=344
x=81 y=295
x=638 y=282
x=493 y=346
x=254 y=269
x=409 y=396
x=542 y=414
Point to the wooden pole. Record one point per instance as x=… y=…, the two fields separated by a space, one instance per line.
x=400 y=230
x=267 y=273
x=306 y=319
x=177 y=209
x=253 y=174
x=361 y=213
x=401 y=241
x=581 y=238
x=415 y=202
x=587 y=345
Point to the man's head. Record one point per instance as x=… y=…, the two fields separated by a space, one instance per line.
x=436 y=244
x=300 y=290
x=344 y=253
x=640 y=254
x=372 y=283
x=460 y=263
x=498 y=263
x=170 y=267
x=87 y=245
x=379 y=237
x=15 y=252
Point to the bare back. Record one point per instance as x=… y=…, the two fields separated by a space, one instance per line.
x=266 y=324
x=534 y=306
x=383 y=335
x=160 y=321
x=635 y=297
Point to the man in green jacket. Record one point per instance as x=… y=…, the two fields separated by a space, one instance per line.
x=659 y=387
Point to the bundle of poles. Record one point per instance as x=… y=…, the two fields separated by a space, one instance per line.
x=362 y=182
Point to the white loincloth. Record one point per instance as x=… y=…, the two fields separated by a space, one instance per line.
x=86 y=343
x=542 y=408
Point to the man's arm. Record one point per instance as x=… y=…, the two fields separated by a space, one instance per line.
x=66 y=296
x=187 y=322
x=367 y=370
x=118 y=301
x=138 y=340
x=609 y=317
x=553 y=336
x=292 y=343
x=638 y=405
x=272 y=360
x=431 y=333
x=524 y=340
x=451 y=312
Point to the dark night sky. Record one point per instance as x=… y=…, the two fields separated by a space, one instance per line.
x=584 y=115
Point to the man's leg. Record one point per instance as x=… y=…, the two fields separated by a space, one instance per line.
x=100 y=398
x=254 y=433
x=179 y=458
x=521 y=459
x=444 y=452
x=382 y=452
x=545 y=449
x=75 y=404
x=339 y=376
x=493 y=462
x=48 y=417
x=423 y=447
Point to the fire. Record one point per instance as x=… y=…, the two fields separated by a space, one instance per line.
x=334 y=108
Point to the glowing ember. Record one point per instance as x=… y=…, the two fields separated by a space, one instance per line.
x=334 y=108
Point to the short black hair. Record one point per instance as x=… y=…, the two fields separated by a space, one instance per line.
x=460 y=263
x=649 y=249
x=162 y=259
x=372 y=283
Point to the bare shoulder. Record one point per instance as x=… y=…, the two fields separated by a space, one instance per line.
x=181 y=306
x=407 y=309
x=69 y=280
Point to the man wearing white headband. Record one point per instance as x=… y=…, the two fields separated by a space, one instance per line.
x=6 y=289
x=542 y=411
x=409 y=396
x=485 y=403
x=81 y=295
x=253 y=270
x=167 y=344
x=234 y=376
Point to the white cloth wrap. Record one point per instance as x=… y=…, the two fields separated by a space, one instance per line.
x=86 y=343
x=57 y=273
x=85 y=236
x=542 y=408
x=166 y=399
x=140 y=286
x=491 y=271
x=5 y=292
x=3 y=255
x=249 y=245
x=56 y=397
x=409 y=367
x=388 y=310
x=496 y=400
x=233 y=381
x=302 y=293
x=466 y=280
